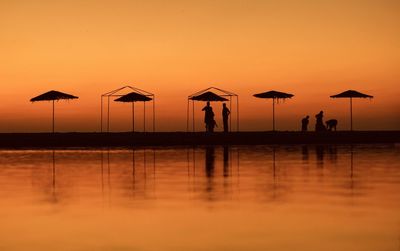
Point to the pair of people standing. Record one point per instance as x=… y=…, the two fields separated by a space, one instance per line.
x=209 y=117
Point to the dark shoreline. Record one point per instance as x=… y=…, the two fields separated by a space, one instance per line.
x=128 y=139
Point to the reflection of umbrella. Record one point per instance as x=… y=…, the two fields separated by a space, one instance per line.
x=208 y=96
x=132 y=98
x=351 y=94
x=52 y=96
x=273 y=95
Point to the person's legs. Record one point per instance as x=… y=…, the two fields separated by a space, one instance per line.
x=225 y=125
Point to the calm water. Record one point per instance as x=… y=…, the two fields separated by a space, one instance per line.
x=205 y=198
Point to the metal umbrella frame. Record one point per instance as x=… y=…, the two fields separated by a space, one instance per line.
x=208 y=95
x=351 y=94
x=118 y=93
x=132 y=98
x=274 y=95
x=53 y=96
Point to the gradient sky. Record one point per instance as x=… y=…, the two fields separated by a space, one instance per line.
x=312 y=49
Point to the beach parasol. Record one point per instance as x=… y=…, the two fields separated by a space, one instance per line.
x=132 y=98
x=53 y=96
x=274 y=95
x=208 y=96
x=351 y=94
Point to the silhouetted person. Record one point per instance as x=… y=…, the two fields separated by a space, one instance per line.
x=208 y=116
x=212 y=125
x=319 y=125
x=304 y=123
x=331 y=124
x=225 y=116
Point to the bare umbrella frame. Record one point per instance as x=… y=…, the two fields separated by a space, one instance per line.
x=274 y=95
x=119 y=93
x=132 y=98
x=53 y=96
x=351 y=94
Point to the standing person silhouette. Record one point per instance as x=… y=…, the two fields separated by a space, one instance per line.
x=304 y=123
x=225 y=116
x=212 y=123
x=208 y=116
x=319 y=125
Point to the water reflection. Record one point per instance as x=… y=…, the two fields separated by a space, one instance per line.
x=305 y=155
x=320 y=152
x=215 y=192
x=226 y=161
x=132 y=173
x=210 y=161
x=54 y=195
x=136 y=174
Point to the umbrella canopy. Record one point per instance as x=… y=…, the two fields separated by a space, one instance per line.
x=273 y=95
x=351 y=94
x=208 y=96
x=53 y=96
x=133 y=97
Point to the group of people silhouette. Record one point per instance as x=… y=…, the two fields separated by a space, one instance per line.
x=319 y=123
x=209 y=119
x=210 y=122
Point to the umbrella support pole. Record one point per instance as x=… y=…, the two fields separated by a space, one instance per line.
x=193 y=113
x=101 y=114
x=154 y=114
x=273 y=114
x=187 y=116
x=237 y=113
x=108 y=114
x=133 y=116
x=144 y=116
x=53 y=116
x=351 y=114
x=230 y=116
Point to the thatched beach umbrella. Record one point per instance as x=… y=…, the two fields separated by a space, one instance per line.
x=351 y=94
x=274 y=95
x=132 y=98
x=53 y=96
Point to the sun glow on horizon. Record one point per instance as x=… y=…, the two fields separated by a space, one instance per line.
x=312 y=49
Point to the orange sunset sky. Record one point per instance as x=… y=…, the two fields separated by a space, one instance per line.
x=312 y=49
